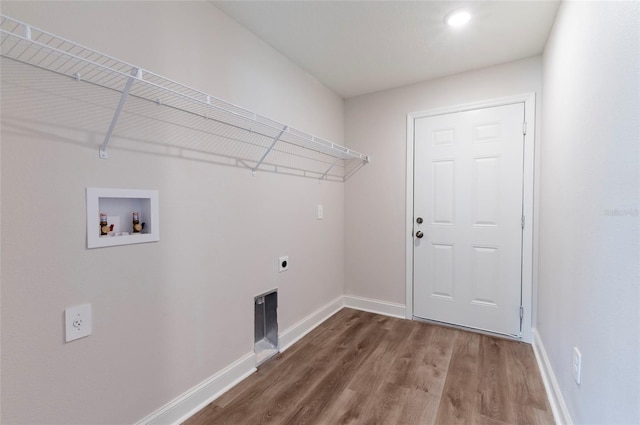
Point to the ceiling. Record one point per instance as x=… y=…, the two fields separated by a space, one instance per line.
x=359 y=47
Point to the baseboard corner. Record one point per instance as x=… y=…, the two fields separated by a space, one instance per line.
x=375 y=306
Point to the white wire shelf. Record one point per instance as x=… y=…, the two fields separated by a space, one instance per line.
x=144 y=95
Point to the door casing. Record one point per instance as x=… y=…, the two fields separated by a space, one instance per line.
x=528 y=236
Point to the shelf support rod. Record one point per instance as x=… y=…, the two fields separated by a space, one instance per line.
x=253 y=170
x=329 y=169
x=125 y=93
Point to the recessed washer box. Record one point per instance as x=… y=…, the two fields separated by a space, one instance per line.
x=119 y=206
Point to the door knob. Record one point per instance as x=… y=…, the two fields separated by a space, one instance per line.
x=419 y=234
x=419 y=220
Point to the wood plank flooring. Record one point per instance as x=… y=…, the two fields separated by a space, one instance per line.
x=366 y=369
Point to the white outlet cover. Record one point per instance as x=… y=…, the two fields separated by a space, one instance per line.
x=283 y=263
x=77 y=322
x=320 y=212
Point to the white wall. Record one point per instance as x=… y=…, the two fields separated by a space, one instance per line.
x=589 y=282
x=375 y=196
x=166 y=315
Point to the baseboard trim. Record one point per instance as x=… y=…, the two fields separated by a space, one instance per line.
x=298 y=330
x=375 y=306
x=556 y=400
x=202 y=394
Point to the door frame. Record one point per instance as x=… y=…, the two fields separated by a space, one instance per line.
x=529 y=251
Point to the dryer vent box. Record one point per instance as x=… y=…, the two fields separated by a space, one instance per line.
x=266 y=326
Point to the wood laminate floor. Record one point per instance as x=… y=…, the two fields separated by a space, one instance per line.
x=363 y=368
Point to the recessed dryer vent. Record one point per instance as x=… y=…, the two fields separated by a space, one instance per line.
x=266 y=326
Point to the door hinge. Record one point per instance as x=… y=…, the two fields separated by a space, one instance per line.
x=522 y=222
x=524 y=128
x=521 y=313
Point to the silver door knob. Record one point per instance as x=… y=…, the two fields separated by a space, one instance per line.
x=419 y=234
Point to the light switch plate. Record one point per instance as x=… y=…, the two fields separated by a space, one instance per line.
x=320 y=212
x=77 y=322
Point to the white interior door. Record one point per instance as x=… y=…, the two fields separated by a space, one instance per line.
x=468 y=208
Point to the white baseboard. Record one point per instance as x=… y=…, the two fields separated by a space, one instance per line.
x=202 y=394
x=556 y=400
x=295 y=332
x=375 y=306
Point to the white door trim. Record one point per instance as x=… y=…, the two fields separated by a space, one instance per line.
x=529 y=99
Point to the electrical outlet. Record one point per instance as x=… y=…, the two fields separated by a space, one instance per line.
x=320 y=212
x=283 y=263
x=77 y=322
x=577 y=365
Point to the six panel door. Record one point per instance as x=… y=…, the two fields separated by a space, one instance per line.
x=468 y=189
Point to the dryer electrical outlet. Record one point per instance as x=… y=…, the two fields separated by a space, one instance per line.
x=283 y=263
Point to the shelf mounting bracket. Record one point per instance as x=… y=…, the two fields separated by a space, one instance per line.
x=135 y=73
x=253 y=170
x=329 y=169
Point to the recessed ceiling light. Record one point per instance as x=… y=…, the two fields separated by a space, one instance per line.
x=458 y=18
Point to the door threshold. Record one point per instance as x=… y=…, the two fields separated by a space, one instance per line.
x=469 y=329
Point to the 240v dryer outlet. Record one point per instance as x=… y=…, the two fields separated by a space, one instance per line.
x=283 y=263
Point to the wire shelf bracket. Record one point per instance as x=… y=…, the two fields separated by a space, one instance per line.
x=45 y=51
x=135 y=73
x=253 y=170
x=329 y=169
